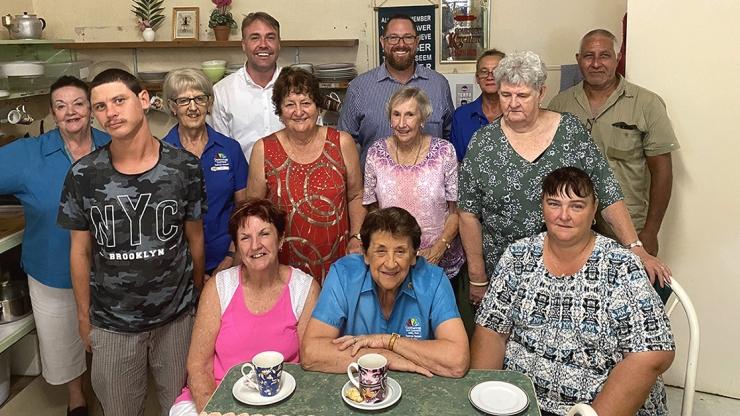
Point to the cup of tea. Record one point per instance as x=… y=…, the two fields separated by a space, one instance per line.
x=265 y=372
x=372 y=375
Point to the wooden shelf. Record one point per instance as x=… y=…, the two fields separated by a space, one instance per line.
x=319 y=43
x=11 y=227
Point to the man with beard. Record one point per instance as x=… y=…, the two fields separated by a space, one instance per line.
x=363 y=113
x=631 y=128
x=242 y=106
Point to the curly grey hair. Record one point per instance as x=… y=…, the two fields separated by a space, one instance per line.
x=521 y=68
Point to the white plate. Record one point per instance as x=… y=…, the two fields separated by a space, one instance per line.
x=250 y=396
x=498 y=398
x=393 y=394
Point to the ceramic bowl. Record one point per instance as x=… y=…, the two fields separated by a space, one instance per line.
x=214 y=74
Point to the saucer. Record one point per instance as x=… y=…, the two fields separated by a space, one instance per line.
x=498 y=398
x=393 y=394
x=252 y=397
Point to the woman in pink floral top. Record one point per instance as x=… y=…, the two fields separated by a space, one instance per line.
x=418 y=173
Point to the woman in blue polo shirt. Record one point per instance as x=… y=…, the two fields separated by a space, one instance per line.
x=33 y=170
x=189 y=95
x=389 y=301
x=468 y=118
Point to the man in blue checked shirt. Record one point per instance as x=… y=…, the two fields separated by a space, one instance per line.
x=363 y=113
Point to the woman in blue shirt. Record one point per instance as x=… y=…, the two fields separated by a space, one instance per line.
x=389 y=301
x=189 y=95
x=468 y=118
x=33 y=170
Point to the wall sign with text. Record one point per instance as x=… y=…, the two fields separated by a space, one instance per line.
x=424 y=17
x=464 y=34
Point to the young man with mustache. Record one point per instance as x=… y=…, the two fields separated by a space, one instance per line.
x=631 y=128
x=242 y=106
x=134 y=208
x=363 y=112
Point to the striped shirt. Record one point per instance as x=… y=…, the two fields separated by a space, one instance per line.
x=363 y=114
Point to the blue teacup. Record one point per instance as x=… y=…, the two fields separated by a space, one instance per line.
x=265 y=372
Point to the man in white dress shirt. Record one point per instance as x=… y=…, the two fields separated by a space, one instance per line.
x=242 y=107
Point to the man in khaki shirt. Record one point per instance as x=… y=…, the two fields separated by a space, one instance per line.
x=631 y=128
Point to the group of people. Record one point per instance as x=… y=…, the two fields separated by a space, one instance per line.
x=291 y=239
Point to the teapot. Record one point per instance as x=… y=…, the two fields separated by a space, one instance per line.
x=24 y=26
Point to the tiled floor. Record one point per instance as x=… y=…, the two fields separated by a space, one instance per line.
x=40 y=398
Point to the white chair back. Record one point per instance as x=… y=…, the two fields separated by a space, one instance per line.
x=680 y=295
x=582 y=409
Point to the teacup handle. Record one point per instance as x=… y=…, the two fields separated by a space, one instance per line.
x=250 y=376
x=354 y=380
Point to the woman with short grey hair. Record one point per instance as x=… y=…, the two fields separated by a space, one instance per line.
x=521 y=68
x=501 y=175
x=189 y=96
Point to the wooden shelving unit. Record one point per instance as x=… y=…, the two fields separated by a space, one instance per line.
x=319 y=43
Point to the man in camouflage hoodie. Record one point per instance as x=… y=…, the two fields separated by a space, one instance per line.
x=134 y=208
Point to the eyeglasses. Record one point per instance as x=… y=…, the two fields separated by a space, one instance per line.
x=185 y=101
x=407 y=39
x=483 y=73
x=590 y=124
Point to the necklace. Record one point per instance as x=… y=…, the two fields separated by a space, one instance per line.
x=556 y=267
x=418 y=152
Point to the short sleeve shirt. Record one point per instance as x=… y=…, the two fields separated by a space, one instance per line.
x=568 y=333
x=349 y=301
x=632 y=125
x=423 y=189
x=33 y=170
x=225 y=172
x=141 y=275
x=505 y=191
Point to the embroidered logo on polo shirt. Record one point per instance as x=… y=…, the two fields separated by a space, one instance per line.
x=220 y=162
x=413 y=328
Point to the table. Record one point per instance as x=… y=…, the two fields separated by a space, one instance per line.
x=319 y=394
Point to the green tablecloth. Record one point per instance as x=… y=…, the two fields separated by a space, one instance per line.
x=320 y=394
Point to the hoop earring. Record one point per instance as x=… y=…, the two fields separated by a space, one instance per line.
x=594 y=221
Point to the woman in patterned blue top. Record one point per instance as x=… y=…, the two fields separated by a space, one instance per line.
x=574 y=311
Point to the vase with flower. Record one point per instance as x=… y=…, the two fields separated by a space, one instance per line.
x=149 y=16
x=221 y=20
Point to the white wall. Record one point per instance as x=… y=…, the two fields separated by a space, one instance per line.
x=687 y=52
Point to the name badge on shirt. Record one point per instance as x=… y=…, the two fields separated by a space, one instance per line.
x=220 y=162
x=413 y=328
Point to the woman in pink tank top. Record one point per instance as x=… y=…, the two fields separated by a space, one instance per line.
x=257 y=306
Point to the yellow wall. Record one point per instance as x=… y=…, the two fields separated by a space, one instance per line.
x=687 y=52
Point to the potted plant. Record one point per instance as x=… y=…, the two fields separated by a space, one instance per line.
x=149 y=16
x=221 y=20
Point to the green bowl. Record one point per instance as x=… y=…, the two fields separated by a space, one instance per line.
x=214 y=74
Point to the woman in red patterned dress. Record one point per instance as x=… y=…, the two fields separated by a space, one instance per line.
x=313 y=173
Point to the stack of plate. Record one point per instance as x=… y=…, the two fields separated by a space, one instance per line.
x=231 y=68
x=152 y=77
x=335 y=72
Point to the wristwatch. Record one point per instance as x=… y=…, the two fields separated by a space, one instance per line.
x=637 y=243
x=357 y=236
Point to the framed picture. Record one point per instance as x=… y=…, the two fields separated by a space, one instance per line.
x=465 y=30
x=185 y=23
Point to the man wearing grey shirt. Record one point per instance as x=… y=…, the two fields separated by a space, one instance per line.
x=363 y=113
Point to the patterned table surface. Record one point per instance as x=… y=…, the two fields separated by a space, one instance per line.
x=320 y=394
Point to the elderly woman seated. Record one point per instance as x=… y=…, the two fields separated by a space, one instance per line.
x=257 y=306
x=388 y=301
x=574 y=310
